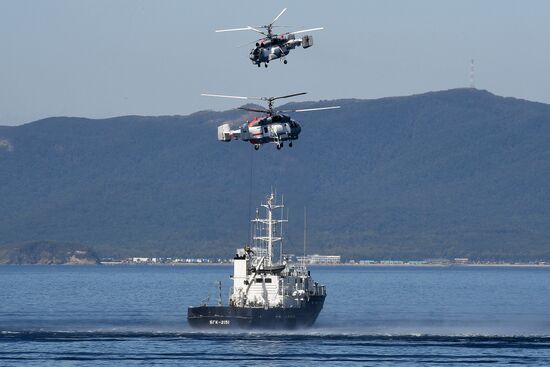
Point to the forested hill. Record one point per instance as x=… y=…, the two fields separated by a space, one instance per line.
x=457 y=173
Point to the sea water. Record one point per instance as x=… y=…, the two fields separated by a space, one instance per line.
x=373 y=316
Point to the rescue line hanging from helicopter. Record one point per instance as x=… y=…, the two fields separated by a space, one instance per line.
x=274 y=46
x=275 y=127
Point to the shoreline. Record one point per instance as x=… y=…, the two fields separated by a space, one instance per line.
x=477 y=265
x=474 y=265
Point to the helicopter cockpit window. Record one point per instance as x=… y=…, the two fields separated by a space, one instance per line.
x=276 y=118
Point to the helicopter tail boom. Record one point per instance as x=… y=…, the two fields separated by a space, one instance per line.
x=226 y=134
x=307 y=41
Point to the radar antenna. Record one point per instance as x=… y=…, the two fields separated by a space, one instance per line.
x=472 y=75
x=269 y=222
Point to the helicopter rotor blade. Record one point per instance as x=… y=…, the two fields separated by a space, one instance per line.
x=247 y=28
x=234 y=97
x=233 y=29
x=307 y=30
x=253 y=110
x=269 y=100
x=256 y=30
x=313 y=109
x=287 y=96
x=222 y=96
x=277 y=17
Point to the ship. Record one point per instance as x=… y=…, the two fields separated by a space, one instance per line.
x=268 y=292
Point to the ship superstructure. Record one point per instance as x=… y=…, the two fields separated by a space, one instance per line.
x=265 y=292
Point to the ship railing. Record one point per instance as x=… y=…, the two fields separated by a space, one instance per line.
x=319 y=290
x=301 y=268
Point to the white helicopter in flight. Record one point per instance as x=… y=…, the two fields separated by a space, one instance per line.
x=275 y=127
x=274 y=46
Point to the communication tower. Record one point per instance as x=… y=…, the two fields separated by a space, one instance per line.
x=472 y=75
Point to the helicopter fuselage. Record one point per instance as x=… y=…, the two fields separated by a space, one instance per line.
x=274 y=46
x=277 y=47
x=275 y=127
x=270 y=129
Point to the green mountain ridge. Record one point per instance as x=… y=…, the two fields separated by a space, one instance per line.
x=47 y=253
x=457 y=173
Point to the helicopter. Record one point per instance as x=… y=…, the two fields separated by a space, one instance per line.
x=276 y=127
x=274 y=46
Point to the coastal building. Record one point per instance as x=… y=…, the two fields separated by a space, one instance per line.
x=392 y=262
x=140 y=260
x=367 y=262
x=461 y=260
x=320 y=259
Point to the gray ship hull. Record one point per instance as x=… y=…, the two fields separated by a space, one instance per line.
x=229 y=317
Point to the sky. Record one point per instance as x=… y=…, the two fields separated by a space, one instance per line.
x=104 y=58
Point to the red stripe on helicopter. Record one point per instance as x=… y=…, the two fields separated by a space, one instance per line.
x=253 y=122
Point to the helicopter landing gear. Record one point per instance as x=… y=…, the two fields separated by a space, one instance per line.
x=265 y=64
x=290 y=144
x=280 y=145
x=259 y=64
x=256 y=146
x=285 y=62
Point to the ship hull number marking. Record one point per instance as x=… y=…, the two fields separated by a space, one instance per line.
x=220 y=322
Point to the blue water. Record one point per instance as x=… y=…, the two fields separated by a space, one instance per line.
x=136 y=315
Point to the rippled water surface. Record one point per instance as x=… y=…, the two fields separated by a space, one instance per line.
x=136 y=315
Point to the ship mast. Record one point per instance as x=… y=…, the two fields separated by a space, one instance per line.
x=270 y=237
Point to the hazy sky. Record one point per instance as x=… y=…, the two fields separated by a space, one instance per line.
x=108 y=58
